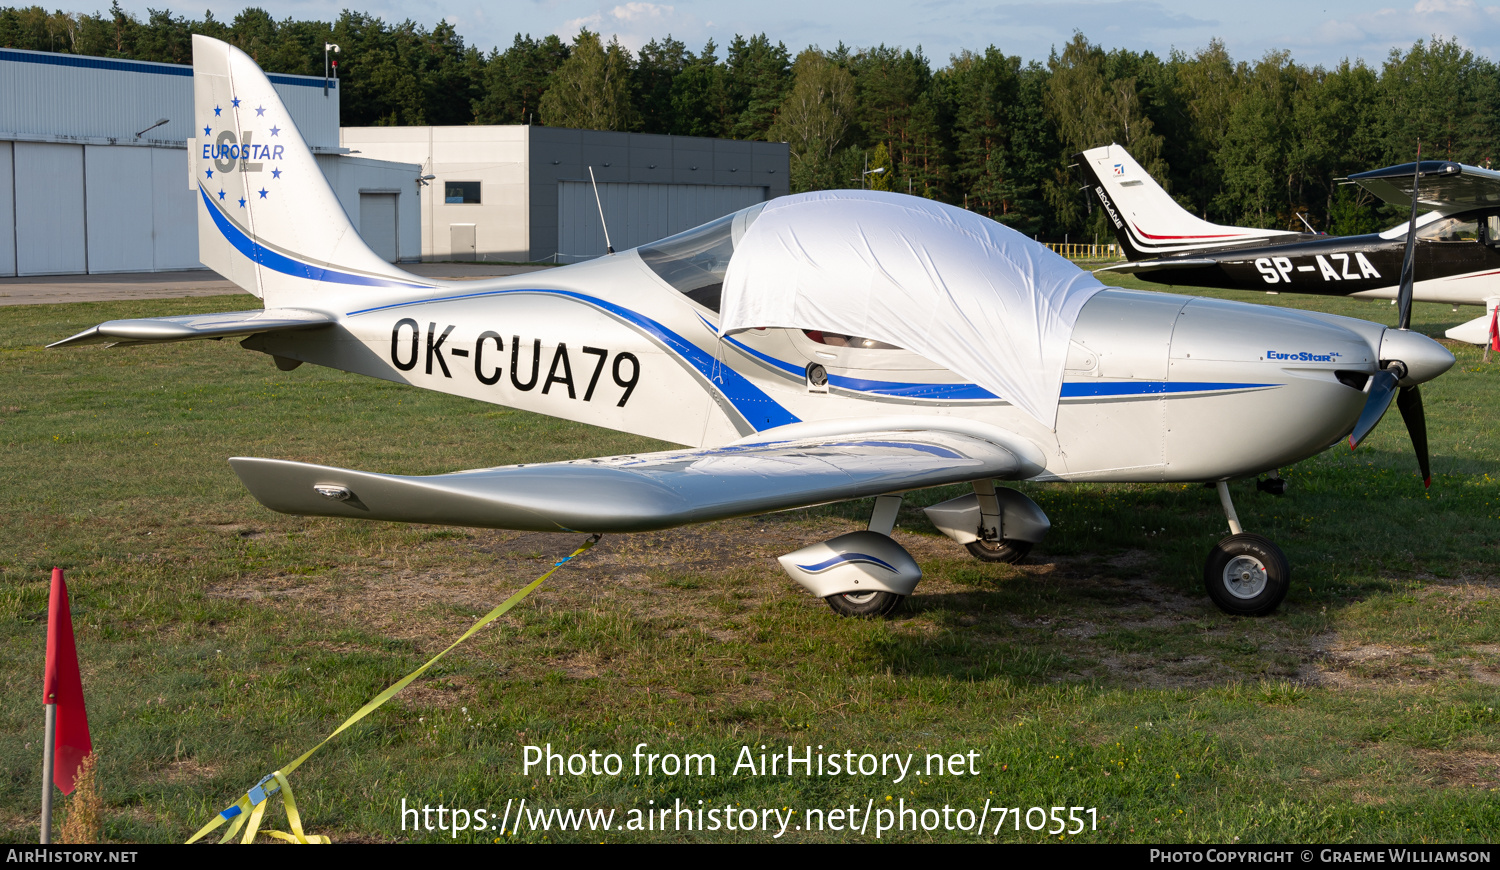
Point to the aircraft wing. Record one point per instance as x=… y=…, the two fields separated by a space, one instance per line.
x=1445 y=185
x=642 y=492
x=156 y=330
x=1159 y=265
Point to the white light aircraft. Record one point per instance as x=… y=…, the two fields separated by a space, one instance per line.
x=812 y=349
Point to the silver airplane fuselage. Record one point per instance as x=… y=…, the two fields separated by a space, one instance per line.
x=1158 y=387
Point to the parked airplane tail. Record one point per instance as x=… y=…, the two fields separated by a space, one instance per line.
x=1146 y=220
x=267 y=218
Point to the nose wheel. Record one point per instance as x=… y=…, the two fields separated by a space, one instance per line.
x=1246 y=575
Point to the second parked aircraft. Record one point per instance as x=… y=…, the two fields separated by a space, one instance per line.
x=1457 y=256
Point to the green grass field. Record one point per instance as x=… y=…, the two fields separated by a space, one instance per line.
x=220 y=640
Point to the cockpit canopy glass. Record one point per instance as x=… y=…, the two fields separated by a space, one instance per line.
x=694 y=262
x=1458 y=228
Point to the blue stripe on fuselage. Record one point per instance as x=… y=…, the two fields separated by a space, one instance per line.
x=758 y=409
x=1070 y=389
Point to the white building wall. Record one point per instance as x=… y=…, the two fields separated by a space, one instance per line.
x=351 y=176
x=49 y=209
x=7 y=212
x=493 y=156
x=79 y=192
x=117 y=194
x=658 y=184
x=92 y=197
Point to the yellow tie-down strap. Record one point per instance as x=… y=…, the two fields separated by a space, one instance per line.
x=248 y=811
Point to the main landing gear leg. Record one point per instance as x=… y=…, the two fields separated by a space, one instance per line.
x=1246 y=575
x=992 y=546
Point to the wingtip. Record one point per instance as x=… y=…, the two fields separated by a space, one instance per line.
x=88 y=336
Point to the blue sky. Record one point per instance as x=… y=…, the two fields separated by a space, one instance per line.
x=1314 y=31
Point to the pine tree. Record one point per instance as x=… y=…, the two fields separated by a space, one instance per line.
x=514 y=81
x=699 y=102
x=657 y=66
x=756 y=78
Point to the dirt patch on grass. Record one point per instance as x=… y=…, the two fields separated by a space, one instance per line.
x=189 y=771
x=1350 y=665
x=444 y=693
x=1464 y=769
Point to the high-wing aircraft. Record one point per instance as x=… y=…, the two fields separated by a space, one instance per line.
x=815 y=348
x=1457 y=253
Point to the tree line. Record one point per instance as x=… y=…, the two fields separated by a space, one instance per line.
x=1259 y=143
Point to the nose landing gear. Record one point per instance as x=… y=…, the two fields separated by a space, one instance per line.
x=1246 y=575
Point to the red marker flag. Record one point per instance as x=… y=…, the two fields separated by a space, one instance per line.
x=1495 y=328
x=63 y=687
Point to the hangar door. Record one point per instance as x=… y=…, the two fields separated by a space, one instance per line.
x=7 y=213
x=639 y=213
x=377 y=224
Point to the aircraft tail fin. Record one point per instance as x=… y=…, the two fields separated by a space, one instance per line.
x=267 y=218
x=1146 y=220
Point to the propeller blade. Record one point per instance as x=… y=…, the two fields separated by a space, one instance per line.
x=1408 y=259
x=1382 y=391
x=1409 y=400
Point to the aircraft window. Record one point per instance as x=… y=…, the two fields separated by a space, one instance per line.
x=1491 y=230
x=1452 y=229
x=695 y=261
x=833 y=339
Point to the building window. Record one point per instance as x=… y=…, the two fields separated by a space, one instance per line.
x=461 y=192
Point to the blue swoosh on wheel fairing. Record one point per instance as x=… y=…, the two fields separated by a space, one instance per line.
x=847 y=557
x=1070 y=389
x=278 y=262
x=746 y=397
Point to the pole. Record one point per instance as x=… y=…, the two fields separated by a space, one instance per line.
x=51 y=738
x=608 y=248
x=325 y=69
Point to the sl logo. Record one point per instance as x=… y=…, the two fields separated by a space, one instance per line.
x=227 y=151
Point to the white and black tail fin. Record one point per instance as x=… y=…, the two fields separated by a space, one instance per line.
x=267 y=218
x=1146 y=220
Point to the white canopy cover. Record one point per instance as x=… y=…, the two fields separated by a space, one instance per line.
x=955 y=287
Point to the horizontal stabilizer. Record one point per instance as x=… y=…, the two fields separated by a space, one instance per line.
x=637 y=493
x=1476 y=331
x=1159 y=265
x=155 y=330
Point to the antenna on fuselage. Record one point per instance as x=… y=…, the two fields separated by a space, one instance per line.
x=608 y=248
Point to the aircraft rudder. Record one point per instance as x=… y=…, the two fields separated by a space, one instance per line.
x=1096 y=189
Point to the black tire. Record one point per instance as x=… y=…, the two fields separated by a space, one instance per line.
x=999 y=551
x=866 y=604
x=1247 y=575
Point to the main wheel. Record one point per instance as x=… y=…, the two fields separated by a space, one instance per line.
x=1247 y=575
x=999 y=551
x=864 y=603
